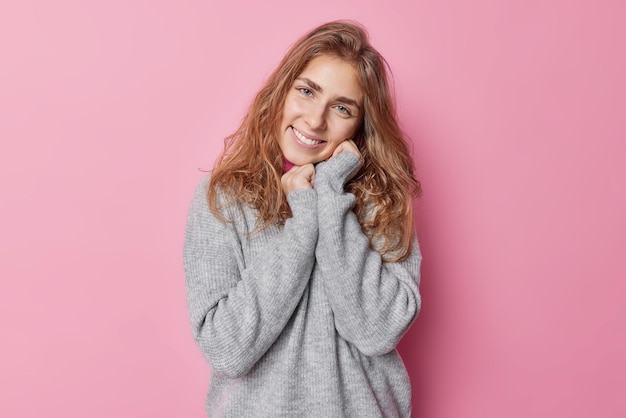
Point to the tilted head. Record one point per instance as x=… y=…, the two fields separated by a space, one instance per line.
x=348 y=42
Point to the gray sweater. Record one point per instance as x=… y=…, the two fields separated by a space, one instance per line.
x=300 y=320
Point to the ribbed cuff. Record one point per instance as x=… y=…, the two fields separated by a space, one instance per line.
x=336 y=171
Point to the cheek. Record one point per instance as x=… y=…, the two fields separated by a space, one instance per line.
x=346 y=130
x=285 y=111
x=292 y=107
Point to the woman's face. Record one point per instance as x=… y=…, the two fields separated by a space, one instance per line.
x=323 y=108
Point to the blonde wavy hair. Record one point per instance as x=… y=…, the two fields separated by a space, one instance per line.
x=251 y=166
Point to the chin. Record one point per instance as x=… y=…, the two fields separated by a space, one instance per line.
x=299 y=160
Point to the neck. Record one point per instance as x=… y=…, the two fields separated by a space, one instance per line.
x=287 y=164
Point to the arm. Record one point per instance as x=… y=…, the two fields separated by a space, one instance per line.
x=237 y=312
x=374 y=302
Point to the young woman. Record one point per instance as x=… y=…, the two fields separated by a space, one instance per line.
x=301 y=262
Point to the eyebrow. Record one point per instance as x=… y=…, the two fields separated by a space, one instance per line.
x=318 y=88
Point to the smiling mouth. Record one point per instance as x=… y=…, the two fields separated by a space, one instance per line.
x=304 y=139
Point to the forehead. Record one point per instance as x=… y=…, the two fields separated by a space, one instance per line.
x=335 y=76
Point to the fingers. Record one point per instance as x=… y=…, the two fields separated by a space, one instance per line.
x=348 y=146
x=299 y=177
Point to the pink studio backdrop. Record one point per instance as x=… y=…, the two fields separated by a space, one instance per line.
x=516 y=113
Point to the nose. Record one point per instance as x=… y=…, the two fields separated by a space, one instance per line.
x=316 y=117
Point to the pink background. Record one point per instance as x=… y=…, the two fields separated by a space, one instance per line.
x=517 y=114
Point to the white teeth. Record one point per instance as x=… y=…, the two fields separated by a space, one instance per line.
x=305 y=139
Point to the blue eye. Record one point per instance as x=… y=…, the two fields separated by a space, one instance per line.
x=343 y=109
x=305 y=91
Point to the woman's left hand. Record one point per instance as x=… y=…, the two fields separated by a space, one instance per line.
x=348 y=146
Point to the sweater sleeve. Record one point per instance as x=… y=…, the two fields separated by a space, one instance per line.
x=374 y=302
x=236 y=310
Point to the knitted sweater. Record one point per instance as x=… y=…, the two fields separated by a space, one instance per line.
x=300 y=320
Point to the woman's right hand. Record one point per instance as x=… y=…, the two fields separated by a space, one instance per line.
x=299 y=177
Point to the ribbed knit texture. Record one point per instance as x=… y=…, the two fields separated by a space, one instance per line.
x=300 y=320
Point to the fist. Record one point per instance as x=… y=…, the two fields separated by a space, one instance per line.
x=348 y=146
x=299 y=177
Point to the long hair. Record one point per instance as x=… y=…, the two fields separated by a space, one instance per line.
x=251 y=166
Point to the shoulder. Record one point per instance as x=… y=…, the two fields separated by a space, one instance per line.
x=204 y=190
x=202 y=187
x=217 y=205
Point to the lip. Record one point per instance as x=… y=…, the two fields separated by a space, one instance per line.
x=314 y=138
